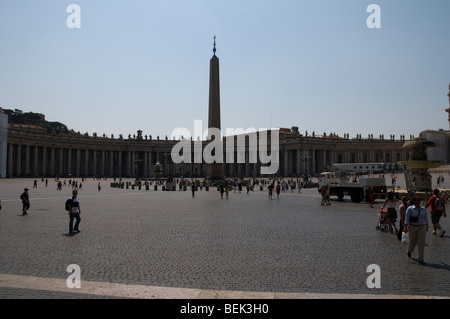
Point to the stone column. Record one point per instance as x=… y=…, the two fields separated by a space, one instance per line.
x=10 y=159
x=145 y=174
x=247 y=169
x=232 y=168
x=52 y=161
x=126 y=168
x=165 y=164
x=19 y=160
x=150 y=160
x=128 y=164
x=103 y=164
x=324 y=160
x=313 y=161
x=119 y=164
x=94 y=162
x=86 y=162
x=132 y=162
x=69 y=161
x=27 y=160
x=286 y=163
x=77 y=164
x=191 y=166
x=35 y=161
x=174 y=167
x=224 y=169
x=44 y=161
x=111 y=172
x=60 y=162
x=305 y=159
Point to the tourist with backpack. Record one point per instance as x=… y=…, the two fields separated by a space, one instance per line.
x=416 y=225
x=25 y=197
x=73 y=207
x=437 y=205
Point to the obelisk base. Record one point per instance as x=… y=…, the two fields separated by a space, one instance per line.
x=215 y=172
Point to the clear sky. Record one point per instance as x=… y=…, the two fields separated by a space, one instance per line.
x=144 y=64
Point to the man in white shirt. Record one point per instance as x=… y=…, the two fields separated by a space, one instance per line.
x=416 y=224
x=74 y=213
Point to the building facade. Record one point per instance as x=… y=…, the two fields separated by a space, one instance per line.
x=3 y=143
x=32 y=152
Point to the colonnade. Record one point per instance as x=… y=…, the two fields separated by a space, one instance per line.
x=34 y=161
x=35 y=154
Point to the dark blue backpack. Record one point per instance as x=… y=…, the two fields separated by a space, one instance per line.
x=68 y=204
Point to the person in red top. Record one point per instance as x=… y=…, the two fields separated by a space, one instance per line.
x=437 y=205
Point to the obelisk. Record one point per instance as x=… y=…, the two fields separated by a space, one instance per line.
x=448 y=110
x=214 y=169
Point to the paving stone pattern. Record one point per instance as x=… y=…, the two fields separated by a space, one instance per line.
x=245 y=243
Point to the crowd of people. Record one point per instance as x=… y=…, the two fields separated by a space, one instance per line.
x=412 y=219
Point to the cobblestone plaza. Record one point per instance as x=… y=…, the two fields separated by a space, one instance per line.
x=155 y=244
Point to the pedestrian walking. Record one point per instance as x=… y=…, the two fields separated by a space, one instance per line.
x=278 y=189
x=74 y=213
x=416 y=225
x=193 y=189
x=327 y=196
x=402 y=212
x=227 y=190
x=222 y=190
x=391 y=214
x=437 y=205
x=325 y=192
x=270 y=188
x=372 y=196
x=25 y=197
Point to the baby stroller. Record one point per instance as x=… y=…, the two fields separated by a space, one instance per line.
x=382 y=221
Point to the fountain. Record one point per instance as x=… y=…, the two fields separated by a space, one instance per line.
x=418 y=179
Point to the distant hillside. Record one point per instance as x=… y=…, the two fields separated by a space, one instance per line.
x=29 y=118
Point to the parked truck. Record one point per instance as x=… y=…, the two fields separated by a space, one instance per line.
x=355 y=180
